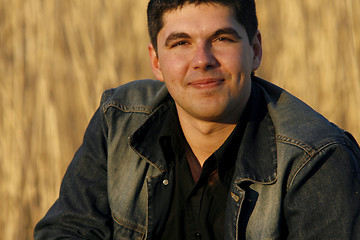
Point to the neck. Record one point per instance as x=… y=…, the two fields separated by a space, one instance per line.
x=204 y=137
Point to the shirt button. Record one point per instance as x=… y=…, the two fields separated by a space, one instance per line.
x=197 y=236
x=166 y=182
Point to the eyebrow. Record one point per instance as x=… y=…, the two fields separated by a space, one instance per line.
x=227 y=31
x=176 y=35
x=183 y=35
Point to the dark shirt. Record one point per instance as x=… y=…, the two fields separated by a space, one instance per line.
x=199 y=201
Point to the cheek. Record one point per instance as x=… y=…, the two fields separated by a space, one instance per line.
x=231 y=59
x=173 y=67
x=241 y=66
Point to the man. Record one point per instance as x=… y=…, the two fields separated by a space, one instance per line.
x=215 y=153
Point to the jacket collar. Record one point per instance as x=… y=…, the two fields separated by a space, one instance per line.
x=257 y=155
x=146 y=140
x=256 y=158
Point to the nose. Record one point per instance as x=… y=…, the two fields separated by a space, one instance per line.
x=203 y=58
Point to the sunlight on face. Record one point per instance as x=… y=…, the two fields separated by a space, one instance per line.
x=205 y=59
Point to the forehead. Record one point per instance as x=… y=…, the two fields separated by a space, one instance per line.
x=199 y=17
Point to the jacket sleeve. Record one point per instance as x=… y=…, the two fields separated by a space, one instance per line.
x=82 y=209
x=323 y=198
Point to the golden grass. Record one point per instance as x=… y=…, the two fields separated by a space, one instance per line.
x=312 y=48
x=57 y=56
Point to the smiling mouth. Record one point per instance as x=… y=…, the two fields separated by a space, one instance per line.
x=207 y=83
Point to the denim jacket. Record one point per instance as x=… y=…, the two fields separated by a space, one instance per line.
x=297 y=177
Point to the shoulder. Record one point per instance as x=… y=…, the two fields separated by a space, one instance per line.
x=136 y=96
x=305 y=139
x=297 y=122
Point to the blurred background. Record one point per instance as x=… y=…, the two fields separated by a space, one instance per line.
x=58 y=56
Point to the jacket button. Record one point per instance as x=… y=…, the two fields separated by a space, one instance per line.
x=166 y=182
x=197 y=236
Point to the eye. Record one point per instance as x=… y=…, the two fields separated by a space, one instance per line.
x=222 y=39
x=179 y=43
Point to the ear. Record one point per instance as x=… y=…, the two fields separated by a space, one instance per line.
x=155 y=64
x=257 y=49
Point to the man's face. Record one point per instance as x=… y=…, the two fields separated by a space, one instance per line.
x=205 y=59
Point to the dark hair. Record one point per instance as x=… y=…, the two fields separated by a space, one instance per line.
x=245 y=12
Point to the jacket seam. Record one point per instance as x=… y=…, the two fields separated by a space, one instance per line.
x=129 y=109
x=106 y=117
x=238 y=213
x=128 y=225
x=310 y=155
x=256 y=181
x=309 y=150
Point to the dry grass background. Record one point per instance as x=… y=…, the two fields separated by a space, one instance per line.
x=57 y=57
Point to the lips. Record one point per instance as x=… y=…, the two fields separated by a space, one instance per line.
x=206 y=83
